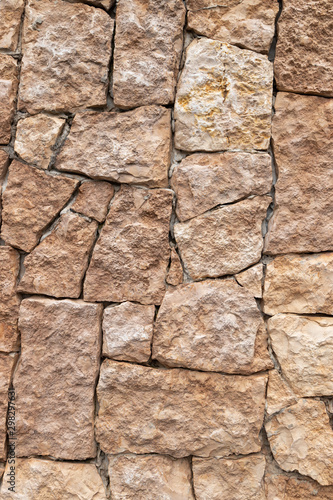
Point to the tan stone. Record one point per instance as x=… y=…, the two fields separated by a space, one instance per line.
x=132 y=147
x=252 y=280
x=93 y=199
x=36 y=137
x=223 y=241
x=203 y=181
x=10 y=20
x=178 y=412
x=148 y=477
x=128 y=332
x=148 y=47
x=175 y=274
x=55 y=379
x=303 y=147
x=105 y=4
x=66 y=52
x=131 y=256
x=261 y=360
x=31 y=201
x=8 y=90
x=7 y=363
x=9 y=299
x=304 y=60
x=279 y=394
x=224 y=98
x=4 y=162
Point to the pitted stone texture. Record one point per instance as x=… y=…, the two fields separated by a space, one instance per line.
x=57 y=265
x=8 y=90
x=66 y=52
x=132 y=254
x=303 y=147
x=304 y=60
x=10 y=21
x=224 y=241
x=247 y=23
x=148 y=47
x=6 y=368
x=279 y=394
x=132 y=147
x=224 y=99
x=55 y=379
x=31 y=201
x=175 y=274
x=93 y=199
x=178 y=412
x=128 y=332
x=251 y=280
x=279 y=486
x=36 y=137
x=149 y=477
x=9 y=299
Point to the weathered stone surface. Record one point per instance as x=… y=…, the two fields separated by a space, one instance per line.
x=175 y=274
x=106 y=4
x=8 y=89
x=93 y=199
x=57 y=265
x=6 y=368
x=10 y=20
x=224 y=98
x=31 y=201
x=304 y=60
x=178 y=412
x=56 y=377
x=252 y=279
x=132 y=147
x=4 y=162
x=203 y=181
x=9 y=299
x=261 y=360
x=66 y=52
x=224 y=241
x=246 y=23
x=223 y=479
x=35 y=138
x=128 y=332
x=279 y=394
x=301 y=438
x=148 y=47
x=134 y=477
x=130 y=258
x=303 y=146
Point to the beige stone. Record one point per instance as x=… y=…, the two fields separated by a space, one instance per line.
x=252 y=280
x=132 y=254
x=224 y=99
x=148 y=477
x=178 y=412
x=128 y=332
x=57 y=265
x=304 y=60
x=105 y=4
x=93 y=199
x=10 y=21
x=279 y=394
x=261 y=360
x=31 y=201
x=36 y=137
x=55 y=379
x=303 y=147
x=7 y=363
x=223 y=241
x=132 y=147
x=148 y=47
x=175 y=274
x=8 y=90
x=203 y=181
x=4 y=162
x=9 y=299
x=66 y=52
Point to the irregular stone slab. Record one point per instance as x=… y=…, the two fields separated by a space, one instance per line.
x=148 y=47
x=57 y=265
x=66 y=53
x=7 y=363
x=9 y=299
x=10 y=20
x=203 y=181
x=223 y=241
x=261 y=360
x=93 y=199
x=247 y=23
x=178 y=412
x=55 y=379
x=132 y=147
x=175 y=274
x=8 y=90
x=303 y=146
x=252 y=280
x=105 y=4
x=149 y=477
x=304 y=60
x=130 y=258
x=128 y=332
x=224 y=99
x=279 y=394
x=31 y=201
x=4 y=162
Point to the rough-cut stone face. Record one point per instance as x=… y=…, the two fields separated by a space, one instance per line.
x=132 y=147
x=66 y=52
x=303 y=146
x=148 y=477
x=93 y=199
x=31 y=201
x=4 y=162
x=304 y=60
x=224 y=98
x=148 y=46
x=175 y=274
x=246 y=23
x=128 y=332
x=223 y=241
x=251 y=280
x=9 y=300
x=130 y=258
x=280 y=486
x=279 y=395
x=36 y=137
x=8 y=89
x=178 y=412
x=261 y=360
x=10 y=20
x=6 y=368
x=57 y=265
x=56 y=377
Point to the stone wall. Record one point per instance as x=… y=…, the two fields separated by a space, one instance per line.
x=166 y=275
